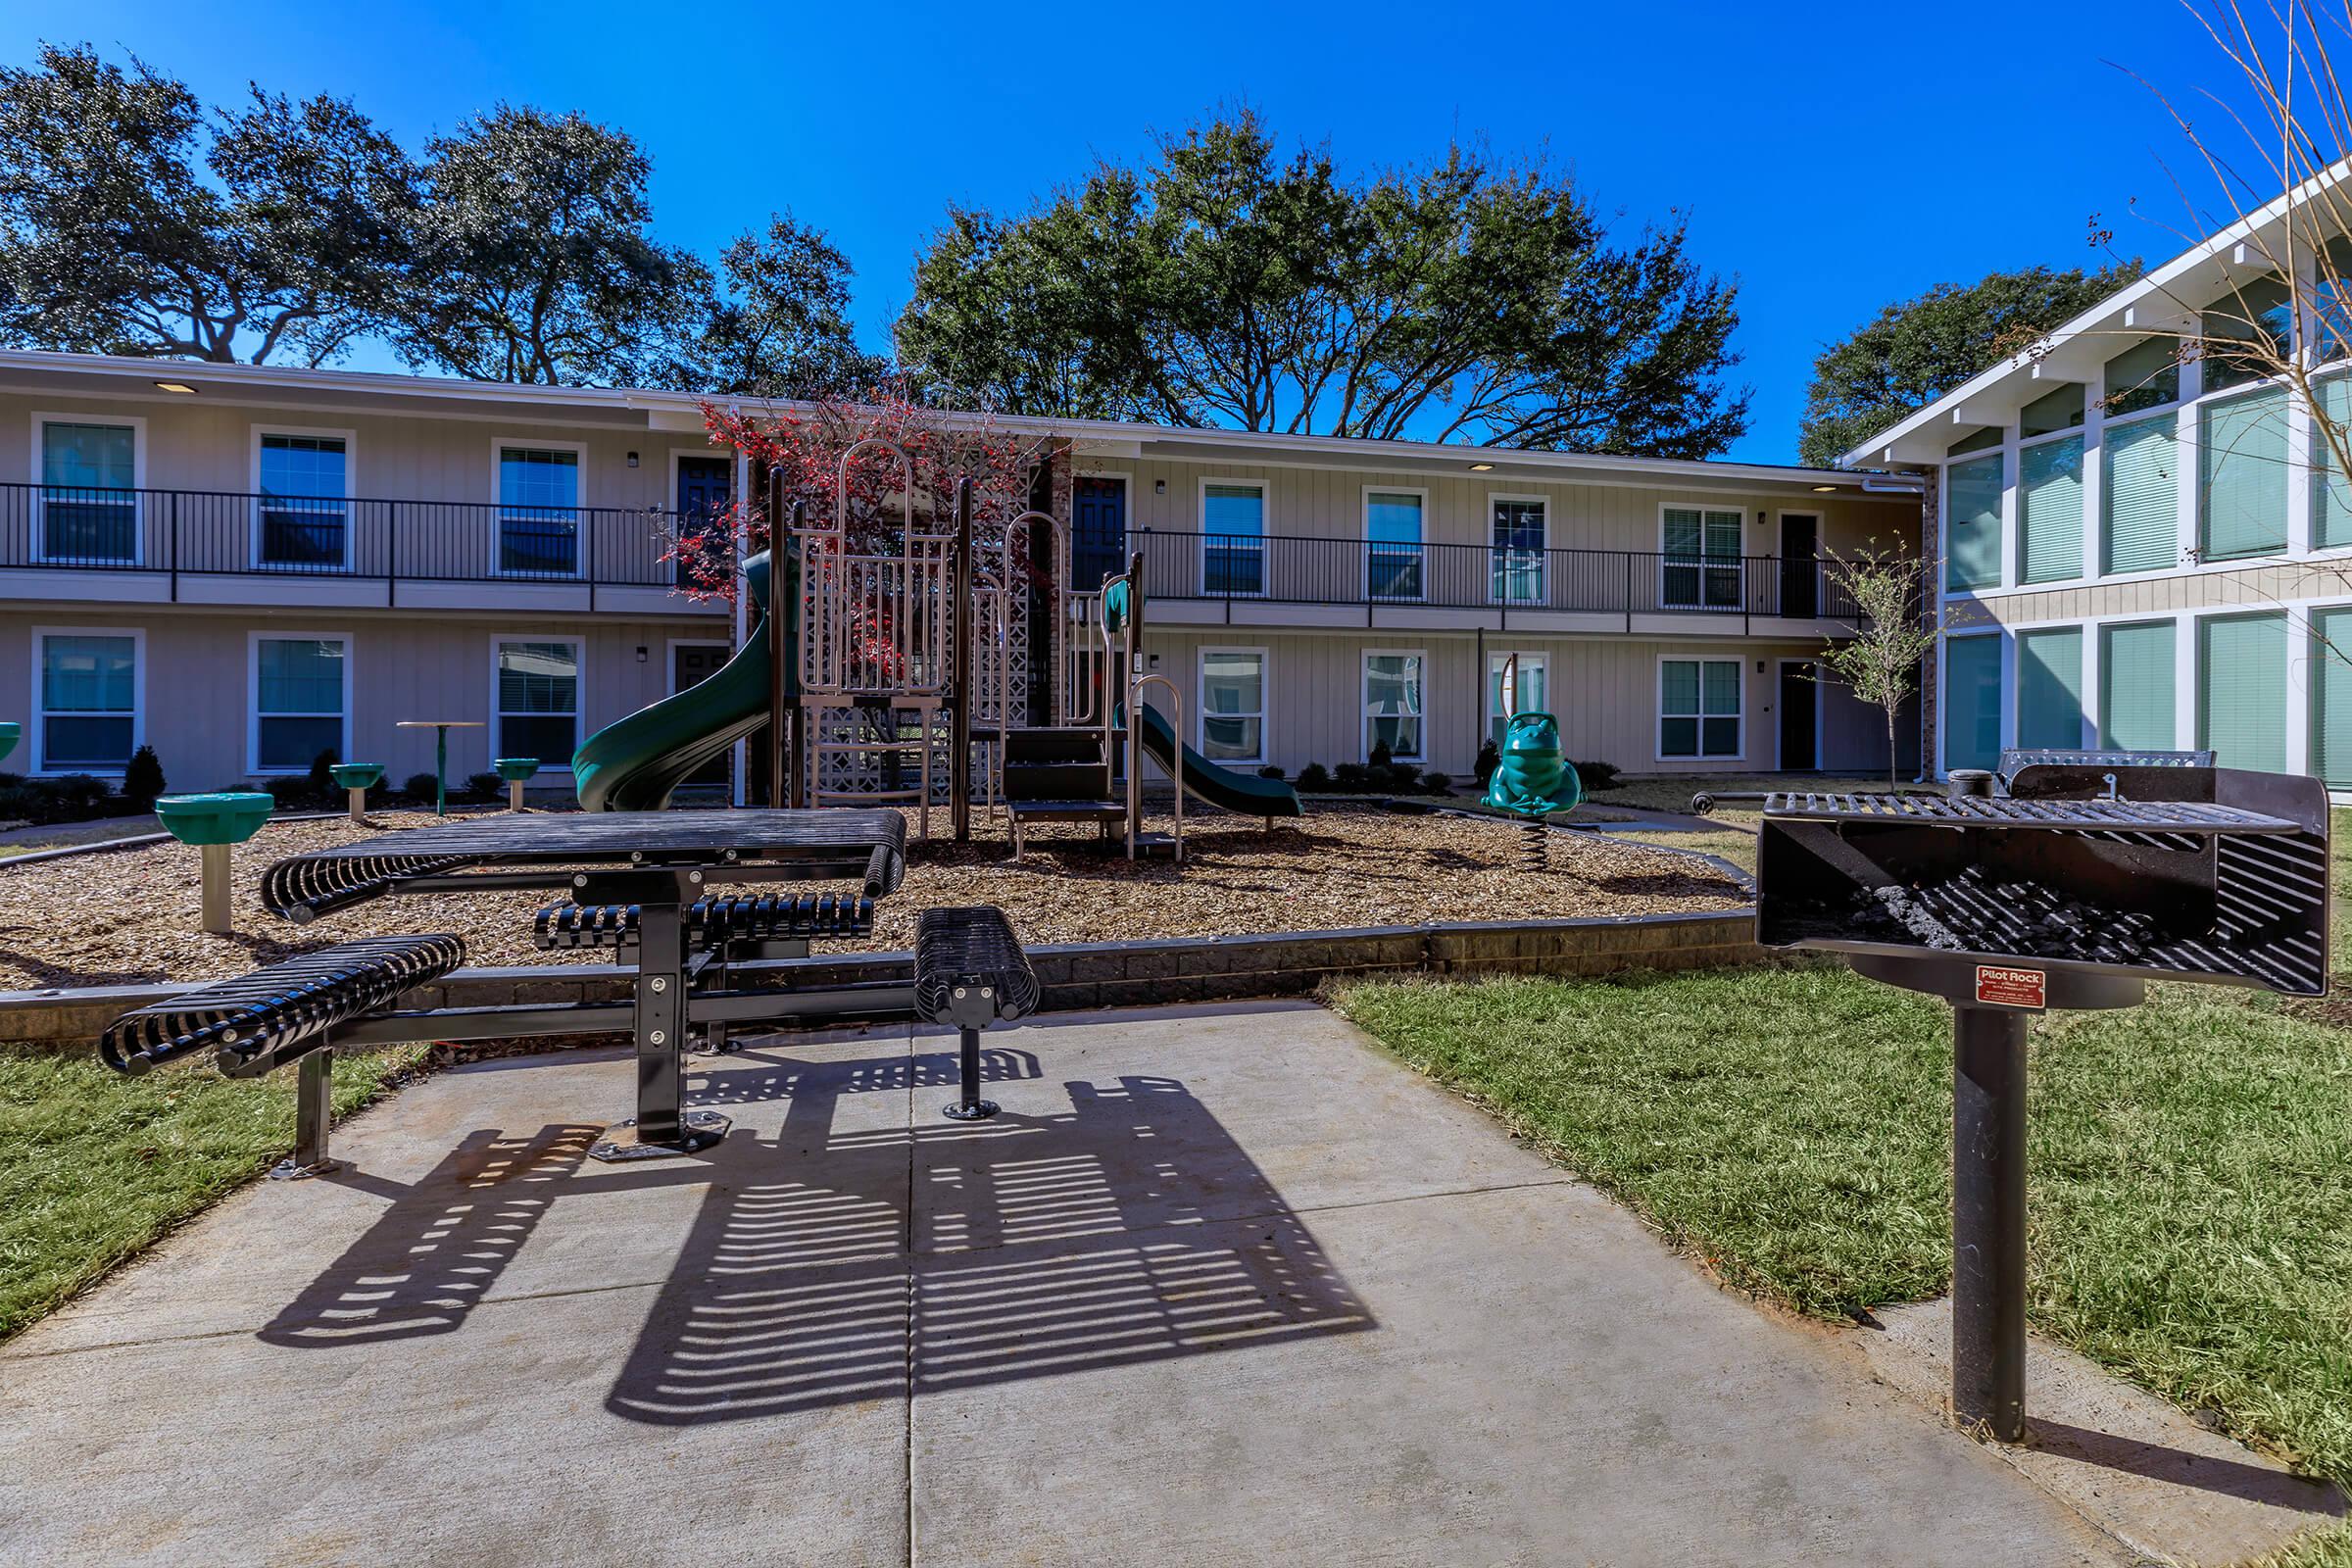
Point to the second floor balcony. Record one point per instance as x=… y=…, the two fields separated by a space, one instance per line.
x=1256 y=580
x=213 y=547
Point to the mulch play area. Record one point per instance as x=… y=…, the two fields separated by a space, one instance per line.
x=129 y=915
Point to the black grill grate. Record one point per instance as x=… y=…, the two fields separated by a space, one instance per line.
x=1977 y=810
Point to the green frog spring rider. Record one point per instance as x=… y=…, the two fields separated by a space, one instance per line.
x=1533 y=778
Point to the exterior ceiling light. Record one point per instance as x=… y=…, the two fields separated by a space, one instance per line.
x=1482 y=468
x=180 y=387
x=1823 y=489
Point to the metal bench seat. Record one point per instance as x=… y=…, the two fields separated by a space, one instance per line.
x=712 y=921
x=970 y=972
x=264 y=1020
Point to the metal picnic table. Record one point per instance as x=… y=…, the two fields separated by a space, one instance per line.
x=638 y=880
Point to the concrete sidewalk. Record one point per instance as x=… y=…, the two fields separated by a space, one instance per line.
x=1219 y=1287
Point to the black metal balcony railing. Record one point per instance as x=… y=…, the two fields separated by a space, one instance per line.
x=191 y=533
x=1298 y=570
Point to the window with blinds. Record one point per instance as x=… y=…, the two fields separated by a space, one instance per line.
x=2145 y=376
x=2049 y=510
x=2137 y=694
x=2241 y=454
x=1972 y=522
x=1972 y=701
x=2332 y=696
x=2241 y=691
x=2049 y=687
x=2139 y=501
x=2330 y=493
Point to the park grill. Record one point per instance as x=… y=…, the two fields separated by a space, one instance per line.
x=2087 y=878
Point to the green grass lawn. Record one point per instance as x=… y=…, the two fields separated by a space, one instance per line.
x=2191 y=1160
x=95 y=1167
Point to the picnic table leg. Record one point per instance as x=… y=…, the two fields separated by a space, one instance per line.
x=313 y=1111
x=662 y=1125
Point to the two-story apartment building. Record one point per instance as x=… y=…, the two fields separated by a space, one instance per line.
x=2142 y=544
x=245 y=565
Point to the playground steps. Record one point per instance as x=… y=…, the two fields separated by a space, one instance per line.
x=1063 y=769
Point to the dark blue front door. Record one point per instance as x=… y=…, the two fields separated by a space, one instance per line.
x=1099 y=535
x=704 y=485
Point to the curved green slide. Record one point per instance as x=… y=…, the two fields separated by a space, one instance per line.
x=1244 y=794
x=634 y=765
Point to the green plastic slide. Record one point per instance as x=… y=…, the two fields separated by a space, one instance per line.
x=1244 y=794
x=635 y=764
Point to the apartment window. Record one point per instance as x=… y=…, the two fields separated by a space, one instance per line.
x=89 y=713
x=89 y=505
x=2049 y=688
x=1233 y=543
x=1698 y=707
x=2245 y=329
x=2050 y=509
x=1516 y=541
x=2241 y=691
x=1700 y=568
x=1971 y=697
x=2054 y=411
x=1392 y=705
x=1392 y=521
x=537 y=712
x=1972 y=521
x=2147 y=375
x=2241 y=450
x=299 y=701
x=1514 y=688
x=1232 y=705
x=2139 y=501
x=302 y=508
x=2330 y=493
x=539 y=511
x=2332 y=696
x=2137 y=679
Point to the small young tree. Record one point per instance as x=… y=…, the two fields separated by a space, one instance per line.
x=1888 y=637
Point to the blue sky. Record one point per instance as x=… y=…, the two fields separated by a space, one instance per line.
x=1834 y=163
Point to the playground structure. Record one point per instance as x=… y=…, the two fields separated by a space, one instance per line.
x=1533 y=776
x=213 y=824
x=881 y=669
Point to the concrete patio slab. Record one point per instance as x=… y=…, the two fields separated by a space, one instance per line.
x=1218 y=1286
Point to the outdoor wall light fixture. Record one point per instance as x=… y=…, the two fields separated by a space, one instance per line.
x=1159 y=487
x=632 y=460
x=181 y=387
x=641 y=653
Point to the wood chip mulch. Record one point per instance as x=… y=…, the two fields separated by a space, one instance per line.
x=128 y=916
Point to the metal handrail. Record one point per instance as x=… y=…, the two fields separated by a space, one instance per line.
x=1020 y=524
x=1135 y=760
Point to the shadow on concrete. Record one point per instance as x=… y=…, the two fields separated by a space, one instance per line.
x=2177 y=1467
x=1130 y=1228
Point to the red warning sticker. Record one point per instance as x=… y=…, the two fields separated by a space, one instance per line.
x=2005 y=987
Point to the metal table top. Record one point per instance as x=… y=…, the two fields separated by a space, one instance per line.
x=869 y=846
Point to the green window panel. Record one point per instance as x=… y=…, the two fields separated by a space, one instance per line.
x=1972 y=511
x=2049 y=510
x=2241 y=452
x=2331 y=697
x=2049 y=687
x=2260 y=313
x=2139 y=503
x=2241 y=691
x=2136 y=696
x=1972 y=701
x=2052 y=411
x=2330 y=493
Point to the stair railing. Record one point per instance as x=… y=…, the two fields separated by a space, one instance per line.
x=1022 y=526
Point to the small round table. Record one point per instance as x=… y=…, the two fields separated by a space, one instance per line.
x=440 y=728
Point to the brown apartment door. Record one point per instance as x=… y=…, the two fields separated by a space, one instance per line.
x=704 y=485
x=1800 y=573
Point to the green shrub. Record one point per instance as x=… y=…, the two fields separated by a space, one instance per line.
x=323 y=774
x=1352 y=778
x=1398 y=778
x=1434 y=782
x=292 y=790
x=1269 y=772
x=1490 y=758
x=1381 y=756
x=1314 y=779
x=143 y=780
x=420 y=787
x=484 y=786
x=81 y=792
x=1596 y=775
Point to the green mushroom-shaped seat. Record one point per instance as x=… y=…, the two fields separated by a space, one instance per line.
x=231 y=817
x=358 y=775
x=1533 y=777
x=515 y=770
x=10 y=733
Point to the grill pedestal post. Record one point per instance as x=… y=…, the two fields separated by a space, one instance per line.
x=1988 y=1219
